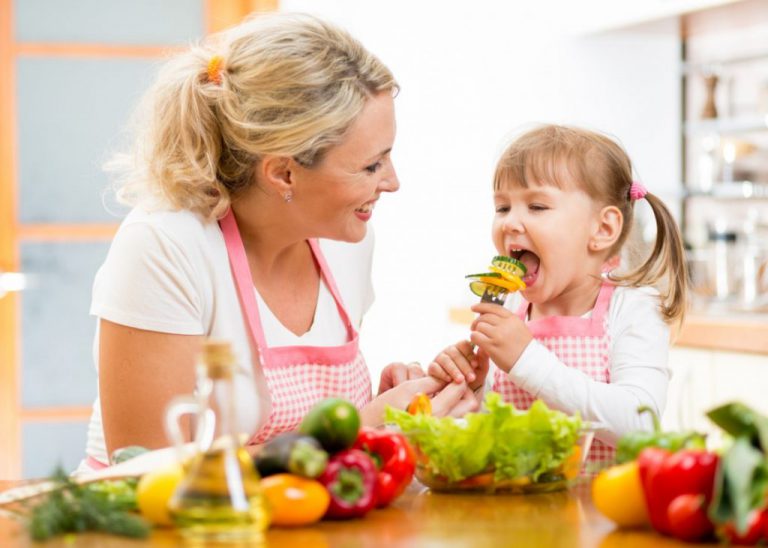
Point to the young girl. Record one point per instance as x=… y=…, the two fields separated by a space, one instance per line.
x=584 y=339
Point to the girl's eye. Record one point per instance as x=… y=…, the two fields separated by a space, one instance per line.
x=373 y=168
x=537 y=207
x=502 y=209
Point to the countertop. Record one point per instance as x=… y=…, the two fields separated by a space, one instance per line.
x=730 y=331
x=421 y=518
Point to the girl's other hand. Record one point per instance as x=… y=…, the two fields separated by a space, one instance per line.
x=397 y=373
x=458 y=363
x=500 y=333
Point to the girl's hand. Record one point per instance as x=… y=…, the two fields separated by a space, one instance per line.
x=458 y=363
x=397 y=373
x=447 y=399
x=500 y=333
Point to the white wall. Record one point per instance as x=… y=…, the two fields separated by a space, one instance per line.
x=469 y=77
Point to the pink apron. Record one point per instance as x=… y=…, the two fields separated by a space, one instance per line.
x=297 y=376
x=581 y=343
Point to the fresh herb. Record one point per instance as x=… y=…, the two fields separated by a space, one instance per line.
x=512 y=442
x=742 y=480
x=103 y=506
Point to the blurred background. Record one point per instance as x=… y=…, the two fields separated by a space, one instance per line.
x=682 y=84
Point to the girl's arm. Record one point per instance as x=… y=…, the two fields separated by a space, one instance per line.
x=638 y=370
x=139 y=373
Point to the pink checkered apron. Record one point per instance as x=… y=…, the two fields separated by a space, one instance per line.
x=581 y=343
x=297 y=376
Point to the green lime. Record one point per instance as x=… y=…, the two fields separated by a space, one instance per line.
x=333 y=422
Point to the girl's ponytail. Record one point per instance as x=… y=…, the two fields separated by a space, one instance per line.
x=665 y=268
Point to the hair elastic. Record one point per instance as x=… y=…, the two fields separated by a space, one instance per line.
x=214 y=69
x=637 y=191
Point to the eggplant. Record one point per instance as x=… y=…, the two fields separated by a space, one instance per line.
x=293 y=453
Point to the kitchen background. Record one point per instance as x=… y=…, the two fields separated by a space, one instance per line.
x=682 y=84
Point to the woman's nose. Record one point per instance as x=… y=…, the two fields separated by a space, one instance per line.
x=389 y=182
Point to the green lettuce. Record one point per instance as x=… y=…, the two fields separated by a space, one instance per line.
x=511 y=442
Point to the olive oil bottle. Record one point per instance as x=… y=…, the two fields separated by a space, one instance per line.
x=219 y=498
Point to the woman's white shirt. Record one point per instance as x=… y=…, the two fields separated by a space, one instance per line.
x=168 y=271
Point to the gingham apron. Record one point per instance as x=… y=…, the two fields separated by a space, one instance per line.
x=297 y=376
x=581 y=343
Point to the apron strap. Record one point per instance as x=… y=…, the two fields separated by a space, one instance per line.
x=241 y=272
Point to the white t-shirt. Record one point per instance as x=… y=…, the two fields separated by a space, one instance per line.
x=639 y=374
x=168 y=271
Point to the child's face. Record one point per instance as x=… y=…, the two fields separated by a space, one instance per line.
x=549 y=230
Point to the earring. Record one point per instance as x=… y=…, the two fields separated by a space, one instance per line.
x=288 y=196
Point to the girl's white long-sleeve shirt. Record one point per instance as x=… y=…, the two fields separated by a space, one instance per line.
x=639 y=374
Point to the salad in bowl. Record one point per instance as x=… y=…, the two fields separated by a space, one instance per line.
x=501 y=449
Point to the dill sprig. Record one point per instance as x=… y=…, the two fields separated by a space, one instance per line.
x=103 y=506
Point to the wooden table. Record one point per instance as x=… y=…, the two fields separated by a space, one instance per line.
x=422 y=519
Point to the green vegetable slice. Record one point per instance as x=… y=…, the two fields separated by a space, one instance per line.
x=484 y=275
x=508 y=264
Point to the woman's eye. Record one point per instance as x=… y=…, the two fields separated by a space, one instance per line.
x=373 y=168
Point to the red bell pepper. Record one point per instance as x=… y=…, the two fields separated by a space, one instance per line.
x=350 y=478
x=395 y=459
x=665 y=476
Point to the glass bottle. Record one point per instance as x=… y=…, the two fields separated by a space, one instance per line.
x=219 y=498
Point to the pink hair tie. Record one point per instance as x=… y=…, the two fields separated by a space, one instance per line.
x=637 y=191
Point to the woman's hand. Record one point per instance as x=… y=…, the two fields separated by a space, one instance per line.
x=500 y=333
x=454 y=399
x=397 y=373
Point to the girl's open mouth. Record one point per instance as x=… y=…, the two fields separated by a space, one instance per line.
x=531 y=262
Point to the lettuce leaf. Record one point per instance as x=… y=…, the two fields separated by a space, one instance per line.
x=511 y=442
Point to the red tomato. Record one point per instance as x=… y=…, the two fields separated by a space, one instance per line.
x=687 y=515
x=757 y=529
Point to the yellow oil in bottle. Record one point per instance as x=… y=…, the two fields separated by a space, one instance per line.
x=219 y=499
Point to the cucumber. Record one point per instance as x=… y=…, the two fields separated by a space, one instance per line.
x=508 y=264
x=293 y=453
x=334 y=422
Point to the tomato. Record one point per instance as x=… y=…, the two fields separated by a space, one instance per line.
x=757 y=529
x=155 y=490
x=618 y=495
x=294 y=500
x=687 y=515
x=333 y=422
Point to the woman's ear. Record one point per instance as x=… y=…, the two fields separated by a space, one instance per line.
x=607 y=229
x=276 y=174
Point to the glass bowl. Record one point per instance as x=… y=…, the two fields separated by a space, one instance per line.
x=489 y=482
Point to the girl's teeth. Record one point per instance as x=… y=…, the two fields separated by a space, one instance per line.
x=365 y=209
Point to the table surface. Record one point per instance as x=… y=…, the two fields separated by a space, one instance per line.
x=421 y=518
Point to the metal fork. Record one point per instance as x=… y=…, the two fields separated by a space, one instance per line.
x=494 y=295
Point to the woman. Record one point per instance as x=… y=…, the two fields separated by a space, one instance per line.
x=258 y=162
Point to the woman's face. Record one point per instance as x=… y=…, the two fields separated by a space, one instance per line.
x=335 y=198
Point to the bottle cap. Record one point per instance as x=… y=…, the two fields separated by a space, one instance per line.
x=218 y=358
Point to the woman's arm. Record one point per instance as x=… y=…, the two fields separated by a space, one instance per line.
x=139 y=373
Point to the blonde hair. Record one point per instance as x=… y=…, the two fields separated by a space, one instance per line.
x=282 y=84
x=549 y=154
